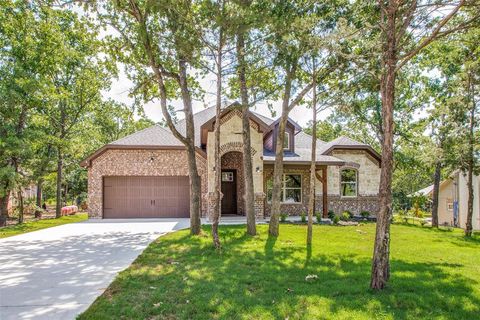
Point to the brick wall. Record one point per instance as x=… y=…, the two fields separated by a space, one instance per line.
x=138 y=163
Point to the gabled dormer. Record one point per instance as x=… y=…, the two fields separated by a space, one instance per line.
x=291 y=129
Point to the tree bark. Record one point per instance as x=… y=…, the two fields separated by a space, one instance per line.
x=39 y=193
x=218 y=162
x=189 y=139
x=313 y=166
x=195 y=181
x=436 y=186
x=471 y=159
x=20 y=206
x=4 y=208
x=249 y=199
x=273 y=228
x=381 y=255
x=58 y=205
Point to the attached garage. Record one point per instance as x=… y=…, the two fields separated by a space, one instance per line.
x=145 y=197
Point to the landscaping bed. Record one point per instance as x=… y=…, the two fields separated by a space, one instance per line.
x=435 y=275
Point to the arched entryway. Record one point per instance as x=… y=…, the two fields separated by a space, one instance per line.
x=232 y=183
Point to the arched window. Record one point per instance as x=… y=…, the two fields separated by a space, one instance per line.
x=348 y=182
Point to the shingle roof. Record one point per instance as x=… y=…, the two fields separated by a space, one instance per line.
x=303 y=152
x=160 y=136
x=152 y=136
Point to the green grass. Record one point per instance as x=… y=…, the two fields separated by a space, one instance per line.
x=40 y=224
x=435 y=275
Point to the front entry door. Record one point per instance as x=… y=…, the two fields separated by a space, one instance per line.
x=229 y=190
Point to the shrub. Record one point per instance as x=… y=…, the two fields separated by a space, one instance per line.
x=365 y=214
x=345 y=216
x=331 y=214
x=319 y=217
x=350 y=214
x=336 y=219
x=283 y=217
x=303 y=217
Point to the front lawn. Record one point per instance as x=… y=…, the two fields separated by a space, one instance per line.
x=40 y=224
x=435 y=275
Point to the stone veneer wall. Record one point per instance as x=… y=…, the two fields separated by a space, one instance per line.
x=138 y=163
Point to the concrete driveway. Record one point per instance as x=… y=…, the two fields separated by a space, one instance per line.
x=57 y=273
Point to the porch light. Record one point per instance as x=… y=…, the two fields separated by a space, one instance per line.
x=258 y=170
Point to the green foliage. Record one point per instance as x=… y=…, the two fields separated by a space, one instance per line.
x=331 y=214
x=283 y=217
x=365 y=214
x=336 y=219
x=303 y=217
x=346 y=215
x=318 y=215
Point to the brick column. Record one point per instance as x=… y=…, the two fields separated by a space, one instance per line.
x=259 y=205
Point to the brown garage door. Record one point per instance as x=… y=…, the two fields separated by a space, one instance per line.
x=146 y=197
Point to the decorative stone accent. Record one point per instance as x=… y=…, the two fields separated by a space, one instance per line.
x=234 y=146
x=138 y=163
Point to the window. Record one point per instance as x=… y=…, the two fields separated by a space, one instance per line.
x=227 y=176
x=348 y=183
x=291 y=188
x=286 y=141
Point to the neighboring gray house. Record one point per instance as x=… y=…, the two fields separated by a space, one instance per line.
x=146 y=175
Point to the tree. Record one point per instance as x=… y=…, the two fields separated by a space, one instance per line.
x=24 y=61
x=313 y=165
x=76 y=80
x=290 y=25
x=165 y=39
x=399 y=44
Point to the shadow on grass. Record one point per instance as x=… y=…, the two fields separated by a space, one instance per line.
x=264 y=277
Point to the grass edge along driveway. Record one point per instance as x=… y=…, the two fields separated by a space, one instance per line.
x=30 y=226
x=435 y=275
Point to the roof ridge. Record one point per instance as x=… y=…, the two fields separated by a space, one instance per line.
x=134 y=133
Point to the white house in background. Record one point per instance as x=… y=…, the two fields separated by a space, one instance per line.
x=453 y=200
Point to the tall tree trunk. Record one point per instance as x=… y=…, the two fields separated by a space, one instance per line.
x=218 y=162
x=381 y=255
x=313 y=165
x=195 y=181
x=4 y=208
x=189 y=139
x=39 y=193
x=249 y=198
x=20 y=206
x=273 y=228
x=58 y=205
x=471 y=159
x=436 y=187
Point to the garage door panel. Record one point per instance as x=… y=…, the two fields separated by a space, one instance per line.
x=146 y=197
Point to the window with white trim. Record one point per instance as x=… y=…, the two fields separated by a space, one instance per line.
x=286 y=141
x=348 y=182
x=291 y=188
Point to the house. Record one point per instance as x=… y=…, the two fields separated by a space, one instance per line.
x=146 y=174
x=453 y=200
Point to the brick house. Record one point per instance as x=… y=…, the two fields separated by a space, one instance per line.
x=146 y=175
